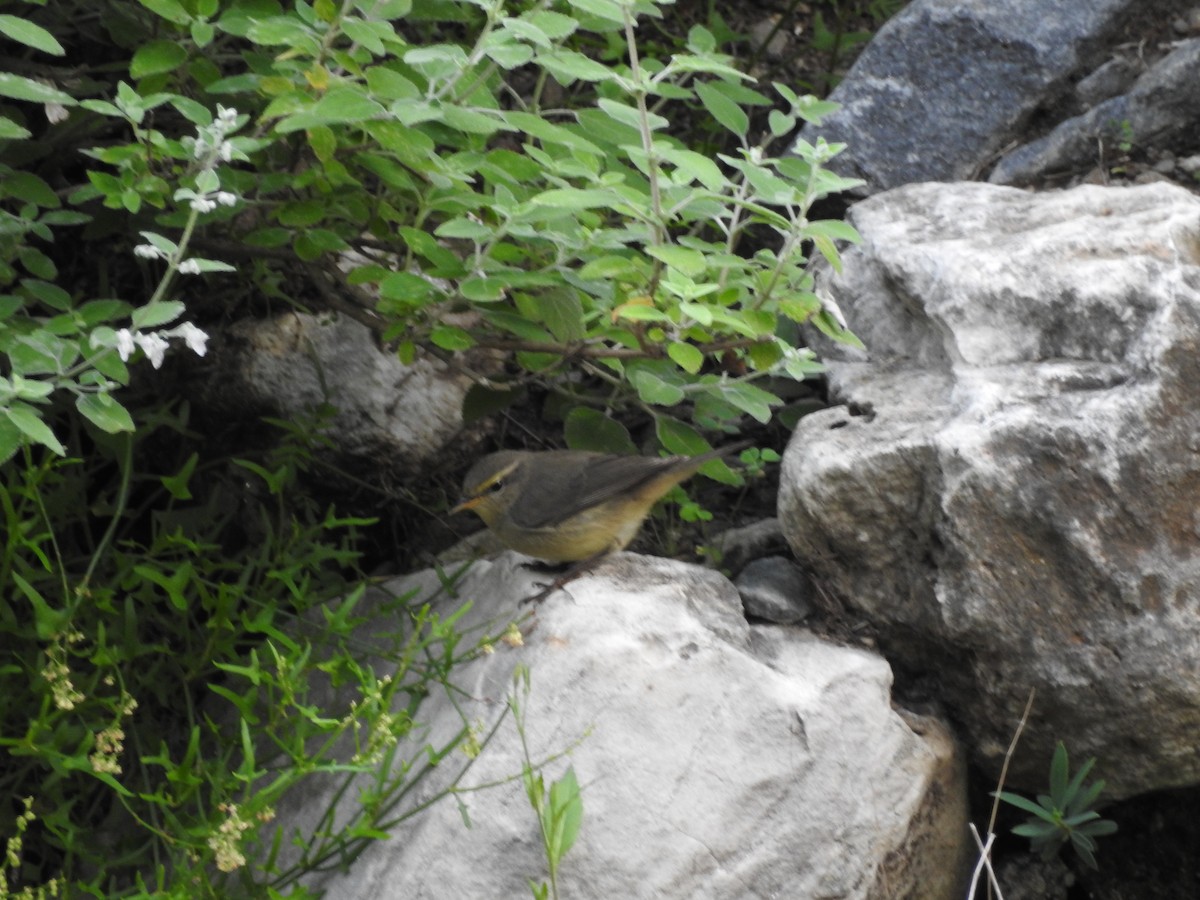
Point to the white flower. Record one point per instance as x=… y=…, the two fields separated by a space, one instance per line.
x=196 y=339
x=202 y=204
x=153 y=346
x=124 y=344
x=189 y=267
x=226 y=199
x=147 y=251
x=225 y=151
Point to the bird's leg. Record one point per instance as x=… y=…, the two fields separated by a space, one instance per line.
x=545 y=568
x=568 y=575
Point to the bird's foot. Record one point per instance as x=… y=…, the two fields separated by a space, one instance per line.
x=568 y=574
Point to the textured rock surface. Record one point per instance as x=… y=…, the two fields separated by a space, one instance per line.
x=946 y=84
x=720 y=759
x=1160 y=110
x=1011 y=492
x=774 y=589
x=393 y=414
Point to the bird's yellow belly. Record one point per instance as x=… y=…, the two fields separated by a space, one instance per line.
x=588 y=534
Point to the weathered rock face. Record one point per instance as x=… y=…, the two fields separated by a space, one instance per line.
x=1012 y=492
x=386 y=412
x=720 y=759
x=1160 y=110
x=946 y=85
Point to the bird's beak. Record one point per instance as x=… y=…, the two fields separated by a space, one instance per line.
x=465 y=504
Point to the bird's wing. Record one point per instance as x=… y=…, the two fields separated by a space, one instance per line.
x=604 y=478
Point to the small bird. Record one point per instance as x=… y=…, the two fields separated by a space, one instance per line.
x=570 y=506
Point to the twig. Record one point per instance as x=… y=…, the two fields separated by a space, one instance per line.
x=985 y=862
x=985 y=850
x=1008 y=758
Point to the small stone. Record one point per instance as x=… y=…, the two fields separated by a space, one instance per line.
x=778 y=44
x=775 y=590
x=737 y=546
x=1188 y=23
x=1190 y=164
x=1114 y=77
x=1150 y=177
x=1166 y=165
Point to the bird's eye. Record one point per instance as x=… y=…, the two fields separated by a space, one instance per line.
x=496 y=486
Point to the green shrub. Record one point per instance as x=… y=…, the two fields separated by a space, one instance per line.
x=525 y=179
x=1066 y=815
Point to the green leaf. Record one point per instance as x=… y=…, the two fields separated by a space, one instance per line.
x=696 y=166
x=173 y=585
x=1022 y=803
x=608 y=268
x=1074 y=800
x=518 y=325
x=507 y=52
x=603 y=9
x=750 y=399
x=560 y=310
x=47 y=620
x=25 y=32
x=10 y=440
x=406 y=287
x=631 y=116
x=339 y=106
x=160 y=312
x=1037 y=831
x=551 y=134
x=156 y=57
x=679 y=437
x=29 y=187
x=202 y=35
x=169 y=10
x=451 y=337
x=104 y=412
x=484 y=290
x=1100 y=828
x=177 y=485
x=724 y=110
x=1085 y=798
x=374 y=35
x=30 y=424
x=566 y=813
x=640 y=312
x=463 y=227
x=574 y=198
x=810 y=109
x=690 y=262
x=1085 y=853
x=764 y=355
x=590 y=429
x=654 y=390
x=780 y=123
x=472 y=121
x=552 y=24
x=37 y=263
x=834 y=229
x=20 y=88
x=389 y=84
x=687 y=356
x=566 y=65
x=11 y=131
x=829 y=326
x=481 y=402
x=1058 y=775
